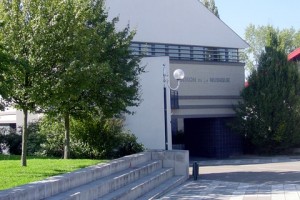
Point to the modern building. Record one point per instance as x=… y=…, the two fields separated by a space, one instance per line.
x=188 y=36
x=183 y=34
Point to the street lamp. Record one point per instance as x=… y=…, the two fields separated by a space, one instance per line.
x=178 y=74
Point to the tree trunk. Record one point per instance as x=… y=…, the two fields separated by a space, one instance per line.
x=67 y=136
x=24 y=139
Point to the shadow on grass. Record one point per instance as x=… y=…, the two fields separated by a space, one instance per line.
x=18 y=157
x=9 y=157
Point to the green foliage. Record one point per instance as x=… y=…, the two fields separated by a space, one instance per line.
x=257 y=38
x=68 y=60
x=4 y=63
x=53 y=131
x=11 y=141
x=269 y=114
x=19 y=39
x=90 y=138
x=211 y=5
x=2 y=143
x=106 y=137
x=127 y=145
x=35 y=140
x=90 y=67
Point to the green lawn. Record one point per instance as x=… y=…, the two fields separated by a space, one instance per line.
x=12 y=174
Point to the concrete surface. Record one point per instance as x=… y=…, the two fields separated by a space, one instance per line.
x=263 y=178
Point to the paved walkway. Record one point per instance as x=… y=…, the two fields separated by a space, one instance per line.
x=262 y=178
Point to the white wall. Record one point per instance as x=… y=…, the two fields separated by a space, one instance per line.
x=210 y=80
x=186 y=22
x=8 y=116
x=31 y=118
x=148 y=121
x=209 y=90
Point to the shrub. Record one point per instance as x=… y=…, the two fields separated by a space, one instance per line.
x=2 y=143
x=106 y=138
x=90 y=138
x=128 y=145
x=35 y=139
x=13 y=142
x=52 y=130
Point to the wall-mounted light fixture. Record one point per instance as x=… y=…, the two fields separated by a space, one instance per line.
x=178 y=74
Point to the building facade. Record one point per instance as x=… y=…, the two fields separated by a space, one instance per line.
x=208 y=51
x=183 y=34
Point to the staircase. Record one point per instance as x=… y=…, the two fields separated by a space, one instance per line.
x=146 y=175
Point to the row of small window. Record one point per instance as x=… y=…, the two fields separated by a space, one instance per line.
x=181 y=52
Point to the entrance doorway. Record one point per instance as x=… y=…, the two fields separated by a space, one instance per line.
x=211 y=137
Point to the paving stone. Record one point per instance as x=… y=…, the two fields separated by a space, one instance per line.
x=266 y=178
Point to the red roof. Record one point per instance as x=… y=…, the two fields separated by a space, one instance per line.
x=294 y=55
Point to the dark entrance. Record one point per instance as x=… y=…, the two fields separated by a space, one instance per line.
x=211 y=137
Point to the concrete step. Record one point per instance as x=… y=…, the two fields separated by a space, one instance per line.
x=109 y=183
x=164 y=188
x=141 y=186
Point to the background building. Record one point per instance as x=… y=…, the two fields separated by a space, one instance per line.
x=12 y=119
x=295 y=56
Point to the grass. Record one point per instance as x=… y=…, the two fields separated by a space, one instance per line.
x=38 y=168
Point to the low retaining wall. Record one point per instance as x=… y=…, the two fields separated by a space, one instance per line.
x=177 y=159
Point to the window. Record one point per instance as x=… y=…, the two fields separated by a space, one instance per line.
x=173 y=51
x=197 y=53
x=185 y=52
x=159 y=49
x=233 y=55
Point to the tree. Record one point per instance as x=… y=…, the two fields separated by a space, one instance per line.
x=4 y=67
x=67 y=60
x=90 y=68
x=268 y=114
x=211 y=5
x=19 y=79
x=257 y=36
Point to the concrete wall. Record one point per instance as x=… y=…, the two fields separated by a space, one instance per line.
x=147 y=123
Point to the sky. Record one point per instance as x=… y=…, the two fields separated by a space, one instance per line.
x=238 y=14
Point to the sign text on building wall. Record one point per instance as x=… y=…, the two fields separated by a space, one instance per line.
x=192 y=79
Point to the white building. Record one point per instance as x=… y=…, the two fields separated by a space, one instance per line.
x=12 y=118
x=181 y=34
x=207 y=50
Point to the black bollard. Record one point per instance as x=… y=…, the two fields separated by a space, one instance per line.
x=195 y=170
